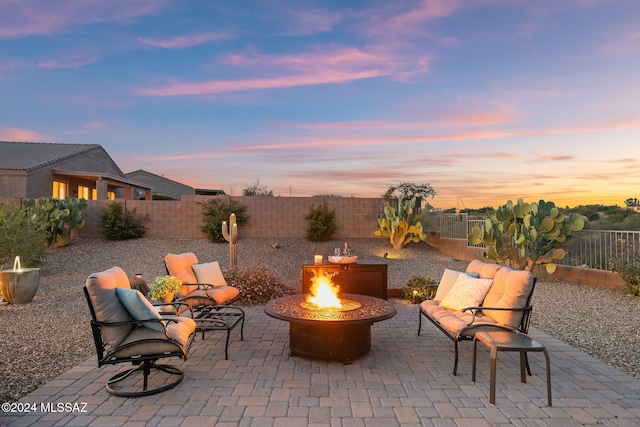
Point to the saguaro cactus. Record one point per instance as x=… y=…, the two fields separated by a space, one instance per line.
x=230 y=233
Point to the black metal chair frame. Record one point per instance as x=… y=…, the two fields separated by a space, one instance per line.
x=144 y=363
x=460 y=336
x=218 y=317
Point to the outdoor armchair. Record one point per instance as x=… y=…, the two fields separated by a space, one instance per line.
x=128 y=329
x=205 y=290
x=202 y=284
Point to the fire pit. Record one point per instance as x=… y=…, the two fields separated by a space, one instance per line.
x=323 y=325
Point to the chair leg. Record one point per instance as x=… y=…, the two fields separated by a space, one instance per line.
x=526 y=363
x=473 y=360
x=145 y=367
x=523 y=358
x=492 y=374
x=455 y=362
x=419 y=322
x=546 y=360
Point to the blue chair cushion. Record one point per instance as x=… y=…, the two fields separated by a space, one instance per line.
x=139 y=308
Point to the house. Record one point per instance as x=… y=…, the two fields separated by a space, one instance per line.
x=209 y=192
x=161 y=186
x=34 y=169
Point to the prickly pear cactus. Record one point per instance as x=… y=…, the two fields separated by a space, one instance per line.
x=401 y=225
x=59 y=216
x=524 y=235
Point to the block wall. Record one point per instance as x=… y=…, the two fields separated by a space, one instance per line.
x=268 y=216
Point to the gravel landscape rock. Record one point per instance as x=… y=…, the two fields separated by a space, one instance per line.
x=51 y=334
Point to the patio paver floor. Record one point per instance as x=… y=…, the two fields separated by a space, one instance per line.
x=405 y=380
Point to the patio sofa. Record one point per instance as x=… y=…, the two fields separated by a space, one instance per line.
x=486 y=295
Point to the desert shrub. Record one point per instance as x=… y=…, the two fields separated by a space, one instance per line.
x=419 y=289
x=20 y=235
x=256 y=190
x=119 y=224
x=257 y=286
x=322 y=224
x=217 y=211
x=630 y=274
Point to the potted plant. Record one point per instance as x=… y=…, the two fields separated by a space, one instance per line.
x=164 y=287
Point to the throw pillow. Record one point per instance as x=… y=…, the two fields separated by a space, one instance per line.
x=447 y=280
x=209 y=273
x=139 y=307
x=466 y=292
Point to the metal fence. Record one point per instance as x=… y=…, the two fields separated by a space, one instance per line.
x=592 y=249
x=596 y=248
x=452 y=226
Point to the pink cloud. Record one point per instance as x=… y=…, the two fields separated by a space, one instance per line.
x=20 y=18
x=91 y=127
x=551 y=157
x=444 y=120
x=221 y=86
x=330 y=58
x=390 y=22
x=321 y=67
x=625 y=44
x=16 y=134
x=70 y=60
x=184 y=41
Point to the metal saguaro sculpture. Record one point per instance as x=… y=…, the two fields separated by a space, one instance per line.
x=230 y=234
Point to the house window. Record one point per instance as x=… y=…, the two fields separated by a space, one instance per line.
x=111 y=195
x=59 y=190
x=83 y=192
x=87 y=193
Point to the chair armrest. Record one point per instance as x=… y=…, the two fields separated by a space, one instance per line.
x=175 y=305
x=476 y=310
x=199 y=285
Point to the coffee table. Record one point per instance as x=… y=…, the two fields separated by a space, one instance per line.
x=500 y=340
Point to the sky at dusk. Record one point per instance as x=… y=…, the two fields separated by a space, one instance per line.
x=486 y=100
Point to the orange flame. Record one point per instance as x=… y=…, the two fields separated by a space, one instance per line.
x=323 y=293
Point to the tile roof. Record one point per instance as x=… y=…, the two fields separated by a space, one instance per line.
x=141 y=172
x=34 y=155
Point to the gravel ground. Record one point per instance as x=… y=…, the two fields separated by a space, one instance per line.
x=51 y=334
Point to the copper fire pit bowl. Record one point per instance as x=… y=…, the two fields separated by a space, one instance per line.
x=347 y=305
x=330 y=334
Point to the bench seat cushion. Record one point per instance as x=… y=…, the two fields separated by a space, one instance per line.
x=219 y=294
x=453 y=321
x=482 y=269
x=143 y=340
x=511 y=289
x=180 y=266
x=101 y=288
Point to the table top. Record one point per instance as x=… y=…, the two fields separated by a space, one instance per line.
x=325 y=263
x=371 y=310
x=506 y=340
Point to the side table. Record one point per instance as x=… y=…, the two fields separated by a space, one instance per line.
x=365 y=277
x=500 y=340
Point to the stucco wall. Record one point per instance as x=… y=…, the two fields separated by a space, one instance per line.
x=13 y=183
x=268 y=216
